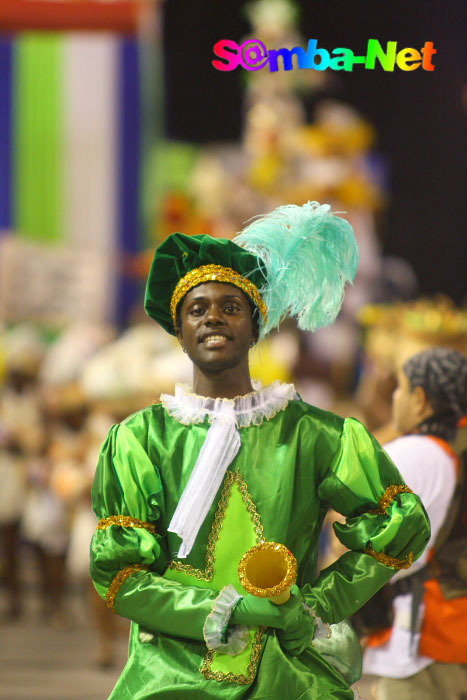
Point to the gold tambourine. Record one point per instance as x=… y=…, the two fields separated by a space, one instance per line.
x=268 y=570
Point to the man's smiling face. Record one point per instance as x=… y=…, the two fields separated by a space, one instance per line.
x=216 y=326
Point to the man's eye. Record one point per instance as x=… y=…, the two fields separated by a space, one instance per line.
x=232 y=307
x=196 y=310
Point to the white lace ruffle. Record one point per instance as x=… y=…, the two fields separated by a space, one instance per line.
x=261 y=404
x=219 y=618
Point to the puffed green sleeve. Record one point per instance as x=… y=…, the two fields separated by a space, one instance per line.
x=128 y=551
x=386 y=525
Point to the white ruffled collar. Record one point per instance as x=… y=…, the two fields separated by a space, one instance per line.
x=251 y=409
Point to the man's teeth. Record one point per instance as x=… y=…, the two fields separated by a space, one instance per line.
x=215 y=339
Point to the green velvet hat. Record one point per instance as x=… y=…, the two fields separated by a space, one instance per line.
x=294 y=261
x=182 y=262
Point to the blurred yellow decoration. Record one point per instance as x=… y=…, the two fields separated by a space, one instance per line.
x=439 y=317
x=337 y=139
x=267 y=365
x=268 y=570
x=355 y=191
x=265 y=171
x=395 y=332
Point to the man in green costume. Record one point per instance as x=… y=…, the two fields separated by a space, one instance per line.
x=185 y=487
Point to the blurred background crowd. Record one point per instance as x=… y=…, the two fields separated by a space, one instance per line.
x=95 y=171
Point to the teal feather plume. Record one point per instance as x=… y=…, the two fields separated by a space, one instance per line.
x=309 y=255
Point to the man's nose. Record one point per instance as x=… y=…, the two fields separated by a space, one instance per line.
x=214 y=315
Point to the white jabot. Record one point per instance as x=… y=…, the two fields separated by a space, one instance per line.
x=220 y=447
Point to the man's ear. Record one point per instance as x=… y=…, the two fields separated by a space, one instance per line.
x=179 y=333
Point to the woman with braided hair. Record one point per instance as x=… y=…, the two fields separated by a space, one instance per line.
x=421 y=657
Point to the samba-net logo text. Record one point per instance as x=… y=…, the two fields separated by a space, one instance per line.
x=253 y=55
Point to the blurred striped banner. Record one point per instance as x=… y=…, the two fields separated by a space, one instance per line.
x=70 y=142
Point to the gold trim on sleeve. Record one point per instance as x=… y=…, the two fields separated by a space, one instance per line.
x=231 y=677
x=388 y=497
x=215 y=273
x=118 y=580
x=390 y=561
x=125 y=521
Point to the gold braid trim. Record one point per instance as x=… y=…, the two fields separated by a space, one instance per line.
x=390 y=561
x=388 y=497
x=119 y=579
x=125 y=521
x=242 y=679
x=215 y=273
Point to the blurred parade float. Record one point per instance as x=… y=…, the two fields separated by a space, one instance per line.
x=392 y=333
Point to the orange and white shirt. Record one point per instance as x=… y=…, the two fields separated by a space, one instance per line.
x=429 y=466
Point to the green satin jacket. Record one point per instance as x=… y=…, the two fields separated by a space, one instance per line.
x=290 y=469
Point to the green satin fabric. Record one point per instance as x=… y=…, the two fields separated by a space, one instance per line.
x=342 y=650
x=295 y=466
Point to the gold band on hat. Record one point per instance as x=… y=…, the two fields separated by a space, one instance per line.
x=215 y=273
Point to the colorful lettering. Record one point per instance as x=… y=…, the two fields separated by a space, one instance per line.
x=287 y=58
x=428 y=52
x=312 y=53
x=406 y=55
x=232 y=59
x=343 y=62
x=253 y=55
x=374 y=51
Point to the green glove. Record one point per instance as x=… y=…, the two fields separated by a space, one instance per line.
x=294 y=640
x=252 y=611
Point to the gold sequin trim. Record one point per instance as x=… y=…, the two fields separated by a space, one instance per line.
x=288 y=580
x=125 y=521
x=250 y=506
x=390 y=561
x=388 y=497
x=231 y=677
x=208 y=573
x=119 y=579
x=215 y=273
